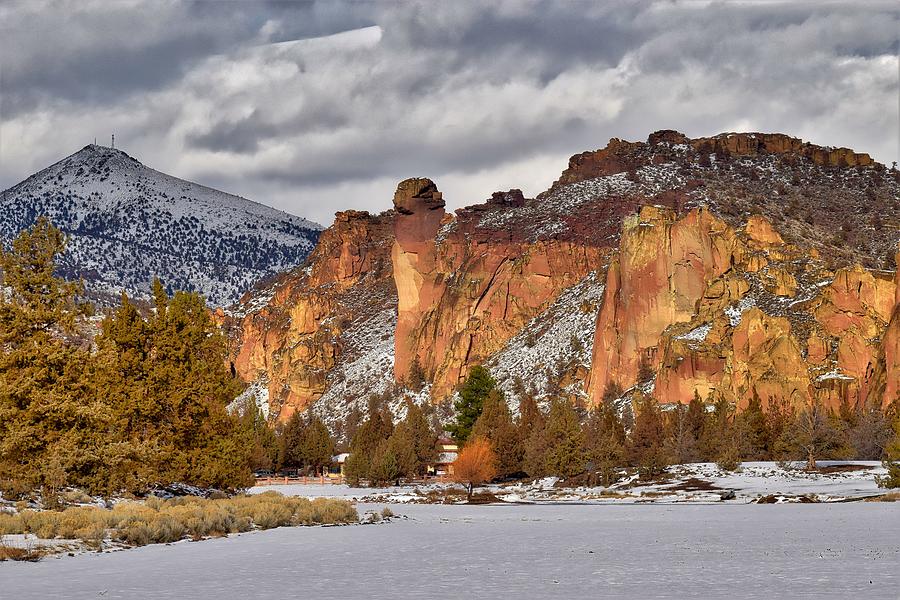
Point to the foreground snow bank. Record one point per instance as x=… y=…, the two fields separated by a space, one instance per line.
x=512 y=551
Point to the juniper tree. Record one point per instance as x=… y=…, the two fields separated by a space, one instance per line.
x=476 y=388
x=497 y=426
x=50 y=425
x=564 y=455
x=604 y=438
x=645 y=443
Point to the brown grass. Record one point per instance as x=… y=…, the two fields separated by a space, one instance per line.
x=17 y=553
x=889 y=497
x=163 y=521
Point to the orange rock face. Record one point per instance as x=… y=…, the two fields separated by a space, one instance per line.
x=699 y=298
x=463 y=295
x=294 y=339
x=661 y=273
x=708 y=309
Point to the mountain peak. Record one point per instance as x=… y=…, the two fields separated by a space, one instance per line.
x=128 y=223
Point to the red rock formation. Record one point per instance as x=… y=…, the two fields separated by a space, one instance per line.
x=682 y=297
x=464 y=294
x=663 y=268
x=712 y=302
x=294 y=339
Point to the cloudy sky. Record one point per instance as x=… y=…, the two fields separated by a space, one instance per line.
x=314 y=107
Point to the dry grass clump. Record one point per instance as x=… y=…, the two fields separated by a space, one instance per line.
x=157 y=521
x=17 y=553
x=889 y=497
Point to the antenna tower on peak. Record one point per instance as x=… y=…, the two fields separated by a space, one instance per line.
x=113 y=142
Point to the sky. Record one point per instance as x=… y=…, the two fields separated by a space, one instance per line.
x=315 y=107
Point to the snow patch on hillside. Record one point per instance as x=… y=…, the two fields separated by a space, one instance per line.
x=555 y=340
x=367 y=368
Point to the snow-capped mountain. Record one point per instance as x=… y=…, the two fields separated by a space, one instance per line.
x=128 y=223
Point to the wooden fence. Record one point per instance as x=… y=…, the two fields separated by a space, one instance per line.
x=338 y=480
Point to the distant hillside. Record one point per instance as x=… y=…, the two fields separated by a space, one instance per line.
x=128 y=223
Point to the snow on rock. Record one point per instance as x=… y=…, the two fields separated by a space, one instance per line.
x=555 y=340
x=736 y=311
x=258 y=393
x=366 y=368
x=698 y=334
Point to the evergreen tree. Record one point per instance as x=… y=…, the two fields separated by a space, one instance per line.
x=892 y=453
x=51 y=427
x=414 y=442
x=681 y=445
x=563 y=439
x=148 y=406
x=604 y=438
x=645 y=444
x=531 y=435
x=752 y=431
x=496 y=425
x=370 y=438
x=416 y=380
x=696 y=417
x=316 y=445
x=714 y=439
x=476 y=388
x=260 y=436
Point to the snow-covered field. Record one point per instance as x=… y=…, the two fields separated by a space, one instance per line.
x=511 y=551
x=691 y=483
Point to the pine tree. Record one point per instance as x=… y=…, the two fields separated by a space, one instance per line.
x=496 y=425
x=531 y=437
x=752 y=431
x=476 y=388
x=291 y=439
x=892 y=453
x=316 y=445
x=416 y=380
x=681 y=445
x=696 y=416
x=645 y=444
x=51 y=428
x=370 y=438
x=716 y=433
x=604 y=438
x=414 y=442
x=563 y=439
x=260 y=437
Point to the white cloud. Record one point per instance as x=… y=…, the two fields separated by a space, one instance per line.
x=321 y=107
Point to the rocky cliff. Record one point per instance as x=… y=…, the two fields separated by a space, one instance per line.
x=694 y=305
x=734 y=265
x=321 y=333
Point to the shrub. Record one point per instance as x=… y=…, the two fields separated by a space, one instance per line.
x=164 y=521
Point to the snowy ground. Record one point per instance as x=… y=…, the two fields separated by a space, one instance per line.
x=692 y=483
x=511 y=551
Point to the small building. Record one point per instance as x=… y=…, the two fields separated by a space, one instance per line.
x=336 y=470
x=448 y=450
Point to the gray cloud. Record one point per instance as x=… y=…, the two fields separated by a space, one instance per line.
x=310 y=107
